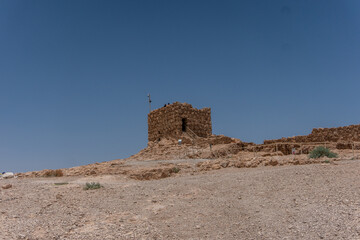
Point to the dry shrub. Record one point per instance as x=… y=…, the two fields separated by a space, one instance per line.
x=49 y=173
x=92 y=185
x=54 y=173
x=59 y=173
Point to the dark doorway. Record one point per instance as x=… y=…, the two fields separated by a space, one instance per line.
x=184 y=123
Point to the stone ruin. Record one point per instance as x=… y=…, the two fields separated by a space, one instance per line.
x=173 y=120
x=336 y=138
x=181 y=121
x=340 y=134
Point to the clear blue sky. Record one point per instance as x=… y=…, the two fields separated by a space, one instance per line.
x=74 y=75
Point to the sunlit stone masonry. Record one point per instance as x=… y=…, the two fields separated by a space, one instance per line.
x=174 y=119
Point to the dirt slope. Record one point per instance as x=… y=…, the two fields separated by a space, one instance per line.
x=317 y=201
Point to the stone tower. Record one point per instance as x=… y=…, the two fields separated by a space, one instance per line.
x=176 y=118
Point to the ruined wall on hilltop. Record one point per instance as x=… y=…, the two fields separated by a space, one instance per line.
x=176 y=118
x=340 y=134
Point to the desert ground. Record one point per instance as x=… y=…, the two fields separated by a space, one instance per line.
x=312 y=201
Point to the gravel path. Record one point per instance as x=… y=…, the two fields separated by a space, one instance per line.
x=318 y=201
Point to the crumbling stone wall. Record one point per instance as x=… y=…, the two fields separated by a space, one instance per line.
x=340 y=134
x=169 y=121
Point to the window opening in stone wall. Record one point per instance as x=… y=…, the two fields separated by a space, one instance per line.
x=184 y=123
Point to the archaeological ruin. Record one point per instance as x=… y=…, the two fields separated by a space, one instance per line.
x=176 y=119
x=194 y=127
x=338 y=134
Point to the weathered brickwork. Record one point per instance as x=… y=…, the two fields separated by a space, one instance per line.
x=340 y=134
x=176 y=118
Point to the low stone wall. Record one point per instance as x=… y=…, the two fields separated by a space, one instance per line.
x=341 y=134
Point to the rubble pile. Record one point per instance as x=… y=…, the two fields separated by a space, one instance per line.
x=169 y=148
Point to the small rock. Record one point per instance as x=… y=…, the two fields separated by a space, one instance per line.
x=224 y=164
x=8 y=175
x=240 y=164
x=273 y=162
x=21 y=236
x=216 y=166
x=6 y=186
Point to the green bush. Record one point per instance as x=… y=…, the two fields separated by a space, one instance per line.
x=92 y=185
x=321 y=152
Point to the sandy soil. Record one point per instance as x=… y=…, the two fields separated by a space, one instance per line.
x=317 y=201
